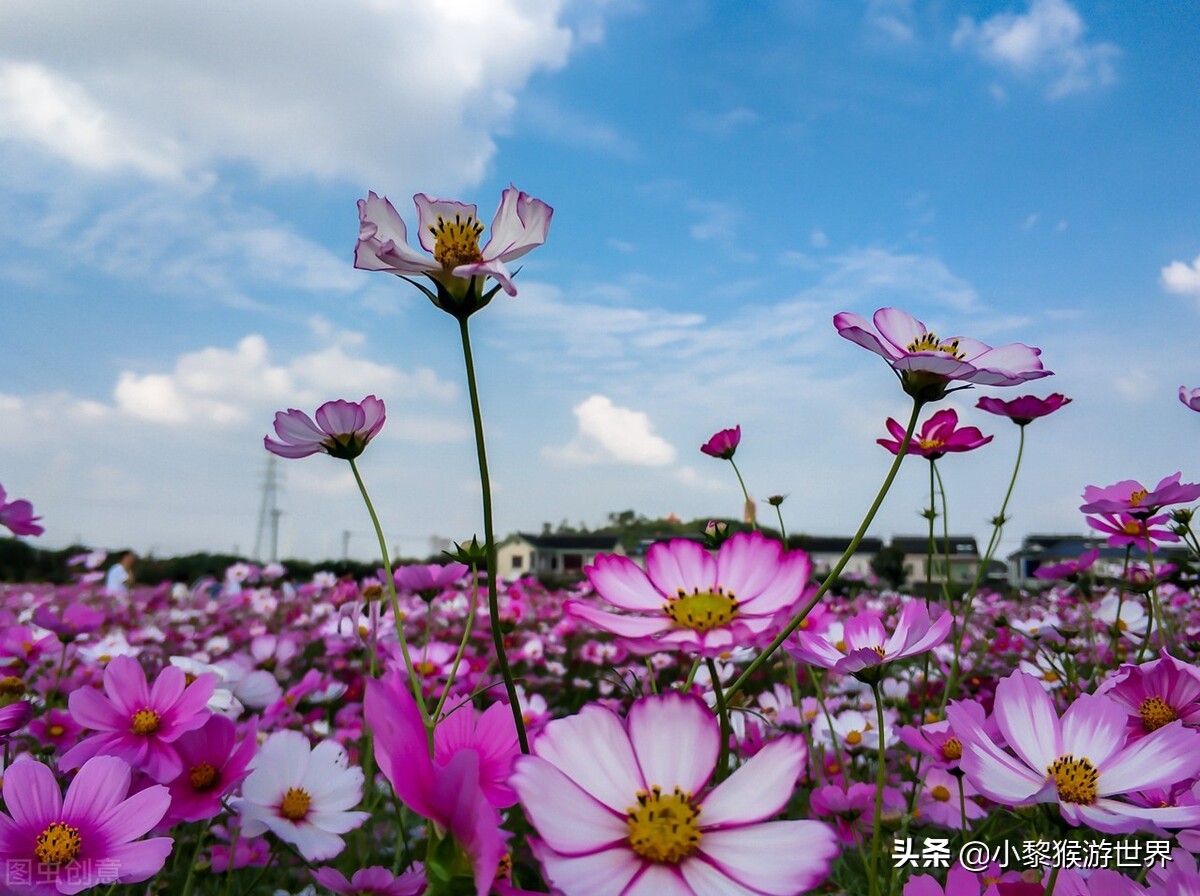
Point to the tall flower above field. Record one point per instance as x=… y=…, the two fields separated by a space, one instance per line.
x=939 y=435
x=450 y=232
x=867 y=644
x=1024 y=410
x=620 y=806
x=687 y=599
x=18 y=516
x=1190 y=397
x=1131 y=497
x=927 y=364
x=342 y=429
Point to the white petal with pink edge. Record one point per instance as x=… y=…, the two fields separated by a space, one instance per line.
x=593 y=750
x=676 y=740
x=605 y=873
x=1026 y=717
x=570 y=820
x=758 y=789
x=775 y=857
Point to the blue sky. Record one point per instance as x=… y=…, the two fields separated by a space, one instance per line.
x=177 y=220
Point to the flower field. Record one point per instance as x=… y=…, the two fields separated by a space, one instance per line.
x=713 y=718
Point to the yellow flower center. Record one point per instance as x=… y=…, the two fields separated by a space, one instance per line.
x=58 y=844
x=663 y=828
x=952 y=749
x=204 y=777
x=1075 y=779
x=931 y=444
x=930 y=343
x=11 y=686
x=425 y=667
x=1050 y=677
x=940 y=793
x=145 y=721
x=854 y=738
x=55 y=730
x=702 y=610
x=295 y=804
x=1131 y=527
x=457 y=241
x=1137 y=496
x=1156 y=713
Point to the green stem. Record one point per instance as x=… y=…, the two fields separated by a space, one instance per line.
x=489 y=536
x=462 y=645
x=190 y=882
x=782 y=531
x=723 y=715
x=993 y=544
x=395 y=602
x=841 y=564
x=745 y=494
x=880 y=780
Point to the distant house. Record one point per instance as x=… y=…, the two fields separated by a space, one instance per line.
x=826 y=550
x=963 y=554
x=1039 y=550
x=524 y=554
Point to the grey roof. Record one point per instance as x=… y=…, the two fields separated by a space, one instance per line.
x=919 y=544
x=571 y=542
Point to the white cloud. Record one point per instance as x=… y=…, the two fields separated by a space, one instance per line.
x=892 y=18
x=608 y=433
x=1046 y=42
x=818 y=239
x=220 y=387
x=715 y=220
x=722 y=124
x=1181 y=278
x=887 y=276
x=361 y=90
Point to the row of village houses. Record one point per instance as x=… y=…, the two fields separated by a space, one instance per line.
x=565 y=555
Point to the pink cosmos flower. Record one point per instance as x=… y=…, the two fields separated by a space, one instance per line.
x=1130 y=496
x=14 y=716
x=373 y=881
x=87 y=839
x=687 y=599
x=939 y=435
x=1068 y=568
x=342 y=430
x=69 y=623
x=430 y=579
x=1190 y=397
x=302 y=794
x=55 y=729
x=961 y=882
x=1155 y=694
x=1080 y=761
x=18 y=516
x=867 y=645
x=723 y=444
x=1024 y=410
x=926 y=365
x=137 y=722
x=460 y=792
x=1125 y=528
x=449 y=231
x=621 y=807
x=214 y=763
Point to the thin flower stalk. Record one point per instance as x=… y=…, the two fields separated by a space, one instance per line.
x=836 y=571
x=462 y=645
x=489 y=537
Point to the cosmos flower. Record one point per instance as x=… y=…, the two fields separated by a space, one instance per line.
x=723 y=444
x=302 y=794
x=138 y=722
x=687 y=599
x=1155 y=694
x=1125 y=528
x=214 y=763
x=1131 y=497
x=18 y=516
x=1068 y=568
x=1190 y=397
x=621 y=806
x=373 y=881
x=342 y=430
x=867 y=644
x=926 y=364
x=1024 y=410
x=88 y=838
x=939 y=435
x=449 y=231
x=1080 y=761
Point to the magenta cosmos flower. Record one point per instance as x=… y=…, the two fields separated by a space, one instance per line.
x=18 y=516
x=343 y=429
x=621 y=807
x=867 y=644
x=373 y=881
x=939 y=435
x=723 y=444
x=1068 y=568
x=1080 y=761
x=1024 y=410
x=926 y=364
x=1130 y=496
x=1156 y=693
x=214 y=763
x=687 y=599
x=137 y=722
x=1124 y=528
x=1190 y=397
x=88 y=838
x=450 y=231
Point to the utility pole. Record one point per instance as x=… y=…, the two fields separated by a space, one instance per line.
x=345 y=544
x=268 y=511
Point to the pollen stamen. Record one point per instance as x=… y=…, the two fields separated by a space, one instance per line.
x=58 y=844
x=663 y=828
x=295 y=804
x=145 y=722
x=702 y=610
x=1156 y=713
x=928 y=342
x=457 y=241
x=1076 y=779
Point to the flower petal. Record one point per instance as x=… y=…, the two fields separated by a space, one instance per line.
x=758 y=789
x=676 y=741
x=593 y=750
x=680 y=564
x=570 y=820
x=776 y=857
